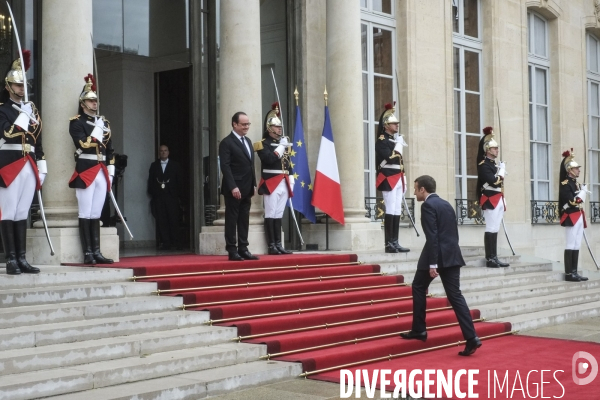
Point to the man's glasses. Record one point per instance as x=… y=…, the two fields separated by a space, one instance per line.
x=245 y=125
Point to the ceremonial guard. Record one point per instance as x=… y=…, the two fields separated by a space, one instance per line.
x=390 y=176
x=22 y=166
x=94 y=170
x=490 y=186
x=277 y=182
x=571 y=197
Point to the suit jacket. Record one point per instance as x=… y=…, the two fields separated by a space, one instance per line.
x=171 y=177
x=441 y=232
x=237 y=166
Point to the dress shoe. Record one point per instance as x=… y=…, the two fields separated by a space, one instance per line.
x=235 y=257
x=400 y=248
x=88 y=259
x=422 y=336
x=390 y=248
x=26 y=268
x=472 y=345
x=575 y=275
x=500 y=263
x=281 y=249
x=246 y=255
x=273 y=250
x=491 y=263
x=12 y=268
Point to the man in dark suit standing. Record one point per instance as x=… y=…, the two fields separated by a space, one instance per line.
x=164 y=183
x=440 y=256
x=239 y=185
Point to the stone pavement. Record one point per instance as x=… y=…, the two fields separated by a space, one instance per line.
x=307 y=389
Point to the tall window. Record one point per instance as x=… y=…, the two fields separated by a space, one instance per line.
x=467 y=46
x=593 y=83
x=379 y=78
x=539 y=106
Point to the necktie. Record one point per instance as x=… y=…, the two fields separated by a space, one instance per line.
x=244 y=144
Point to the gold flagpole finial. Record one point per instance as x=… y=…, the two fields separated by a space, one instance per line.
x=325 y=95
x=296 y=95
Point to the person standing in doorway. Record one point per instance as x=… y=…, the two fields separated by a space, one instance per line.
x=94 y=170
x=238 y=186
x=164 y=185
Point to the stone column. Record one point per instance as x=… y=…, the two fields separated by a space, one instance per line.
x=344 y=86
x=67 y=58
x=240 y=90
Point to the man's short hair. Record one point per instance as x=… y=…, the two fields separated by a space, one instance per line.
x=426 y=182
x=236 y=117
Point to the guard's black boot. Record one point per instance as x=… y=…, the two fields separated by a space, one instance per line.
x=388 y=225
x=21 y=248
x=569 y=267
x=575 y=261
x=86 y=241
x=395 y=233
x=490 y=262
x=8 y=241
x=495 y=251
x=95 y=234
x=277 y=235
x=270 y=237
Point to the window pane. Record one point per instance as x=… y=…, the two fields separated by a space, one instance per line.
x=472 y=189
x=457 y=154
x=542 y=124
x=592 y=54
x=542 y=161
x=367 y=184
x=457 y=123
x=472 y=71
x=456 y=68
x=595 y=133
x=108 y=24
x=471 y=21
x=365 y=94
x=539 y=31
x=363 y=42
x=529 y=33
x=383 y=93
x=363 y=3
x=531 y=118
x=382 y=51
x=472 y=115
x=454 y=18
x=458 y=188
x=540 y=86
x=366 y=140
x=594 y=169
x=594 y=99
x=472 y=147
x=384 y=6
x=543 y=191
x=532 y=171
x=529 y=72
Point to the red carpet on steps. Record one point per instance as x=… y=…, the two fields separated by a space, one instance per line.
x=327 y=310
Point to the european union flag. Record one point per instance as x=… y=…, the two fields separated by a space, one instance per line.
x=303 y=187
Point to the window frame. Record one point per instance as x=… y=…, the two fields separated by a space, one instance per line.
x=369 y=9
x=593 y=78
x=461 y=23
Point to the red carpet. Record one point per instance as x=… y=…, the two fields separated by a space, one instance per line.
x=326 y=311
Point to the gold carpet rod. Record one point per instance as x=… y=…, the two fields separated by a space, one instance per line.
x=305 y=310
x=389 y=357
x=227 y=271
x=332 y=325
x=354 y=341
x=286 y=296
x=249 y=284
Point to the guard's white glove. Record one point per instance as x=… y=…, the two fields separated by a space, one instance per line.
x=280 y=150
x=23 y=118
x=42 y=177
x=400 y=144
x=582 y=194
x=292 y=182
x=284 y=141
x=27 y=108
x=502 y=169
x=98 y=133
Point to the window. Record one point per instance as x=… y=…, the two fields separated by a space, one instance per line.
x=378 y=76
x=539 y=106
x=593 y=84
x=467 y=95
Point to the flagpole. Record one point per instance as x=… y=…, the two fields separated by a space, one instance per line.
x=326 y=216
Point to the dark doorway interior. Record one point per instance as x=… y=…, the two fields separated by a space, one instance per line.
x=173 y=129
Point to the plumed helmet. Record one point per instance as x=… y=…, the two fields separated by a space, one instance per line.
x=487 y=142
x=15 y=72
x=568 y=162
x=89 y=89
x=388 y=116
x=272 y=118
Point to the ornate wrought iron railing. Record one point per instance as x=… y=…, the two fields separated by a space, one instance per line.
x=595 y=212
x=468 y=212
x=375 y=209
x=544 y=212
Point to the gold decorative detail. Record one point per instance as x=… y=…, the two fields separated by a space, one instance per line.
x=296 y=95
x=258 y=146
x=482 y=161
x=88 y=143
x=74 y=118
x=381 y=137
x=564 y=182
x=325 y=95
x=112 y=161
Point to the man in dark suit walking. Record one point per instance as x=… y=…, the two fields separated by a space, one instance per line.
x=164 y=183
x=440 y=256
x=239 y=185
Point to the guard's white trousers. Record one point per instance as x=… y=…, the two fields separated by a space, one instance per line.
x=91 y=199
x=393 y=199
x=493 y=218
x=15 y=200
x=275 y=202
x=573 y=235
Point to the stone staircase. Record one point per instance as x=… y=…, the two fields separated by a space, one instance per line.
x=90 y=333
x=530 y=293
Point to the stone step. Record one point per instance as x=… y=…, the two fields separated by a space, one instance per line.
x=555 y=316
x=471 y=272
x=70 y=354
x=507 y=281
x=62 y=294
x=408 y=267
x=32 y=385
x=534 y=304
x=196 y=385
x=68 y=332
x=58 y=275
x=13 y=317
x=384 y=258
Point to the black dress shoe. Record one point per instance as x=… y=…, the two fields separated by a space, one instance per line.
x=422 y=336
x=12 y=268
x=246 y=255
x=235 y=257
x=500 y=263
x=26 y=268
x=472 y=345
x=273 y=250
x=491 y=263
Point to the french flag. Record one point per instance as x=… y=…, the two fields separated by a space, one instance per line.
x=327 y=193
